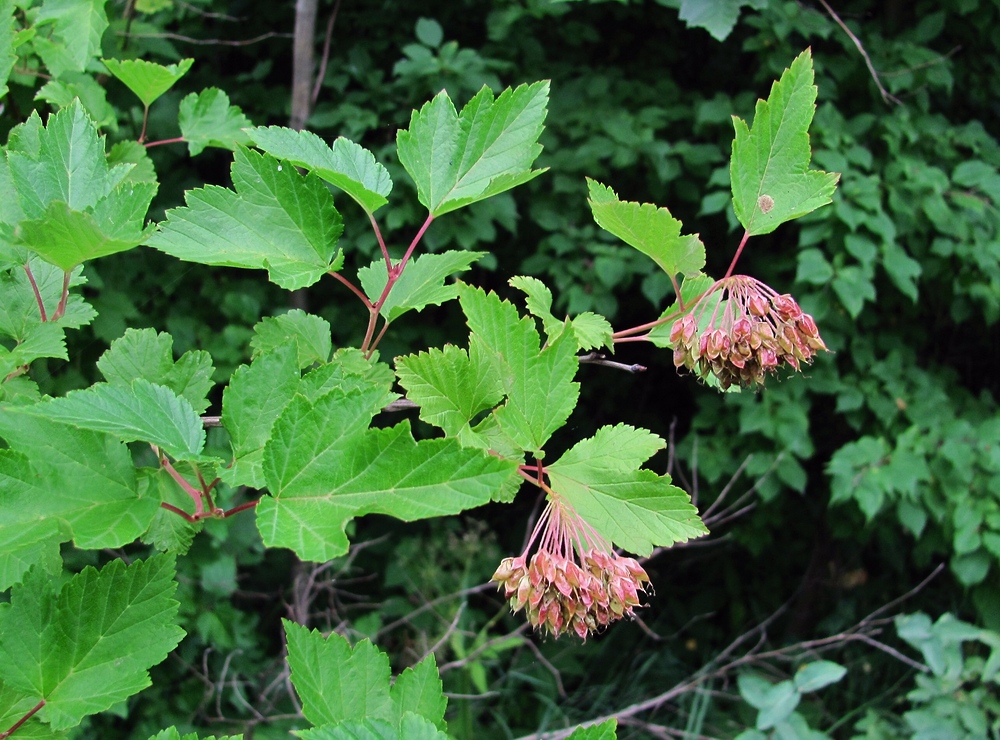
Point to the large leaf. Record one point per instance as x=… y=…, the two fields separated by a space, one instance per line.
x=142 y=353
x=324 y=466
x=75 y=39
x=346 y=165
x=276 y=219
x=651 y=230
x=339 y=684
x=634 y=508
x=140 y=412
x=63 y=161
x=457 y=159
x=539 y=384
x=147 y=80
x=78 y=477
x=7 y=54
x=253 y=400
x=207 y=119
x=422 y=282
x=308 y=332
x=89 y=644
x=769 y=170
x=68 y=238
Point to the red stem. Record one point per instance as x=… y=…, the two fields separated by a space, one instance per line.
x=181 y=512
x=739 y=251
x=381 y=242
x=61 y=308
x=196 y=495
x=25 y=718
x=38 y=295
x=238 y=509
x=353 y=288
x=178 y=140
x=145 y=120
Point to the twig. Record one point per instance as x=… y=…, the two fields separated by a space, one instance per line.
x=886 y=95
x=211 y=42
x=325 y=58
x=597 y=358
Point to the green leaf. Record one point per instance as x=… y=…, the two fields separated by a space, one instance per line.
x=14 y=705
x=902 y=269
x=171 y=733
x=604 y=731
x=779 y=702
x=323 y=467
x=64 y=162
x=418 y=690
x=410 y=727
x=591 y=330
x=142 y=412
x=691 y=291
x=770 y=174
x=276 y=220
x=345 y=165
x=25 y=540
x=147 y=80
x=449 y=385
x=457 y=159
x=77 y=28
x=336 y=682
x=540 y=390
x=19 y=313
x=85 y=479
x=167 y=532
x=142 y=353
x=308 y=332
x=718 y=17
x=135 y=154
x=636 y=509
x=7 y=54
x=92 y=95
x=817 y=675
x=207 y=119
x=421 y=283
x=350 y=370
x=90 y=644
x=253 y=400
x=67 y=238
x=651 y=230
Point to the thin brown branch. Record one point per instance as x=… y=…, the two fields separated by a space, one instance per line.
x=213 y=42
x=886 y=95
x=325 y=57
x=598 y=358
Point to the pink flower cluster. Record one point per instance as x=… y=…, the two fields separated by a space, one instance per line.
x=752 y=331
x=574 y=582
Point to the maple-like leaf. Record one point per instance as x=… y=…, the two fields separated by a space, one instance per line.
x=148 y=80
x=769 y=169
x=207 y=119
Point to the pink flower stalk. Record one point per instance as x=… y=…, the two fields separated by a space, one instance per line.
x=751 y=332
x=574 y=582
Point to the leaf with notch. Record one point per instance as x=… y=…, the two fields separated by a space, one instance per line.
x=458 y=159
x=142 y=353
x=634 y=508
x=142 y=412
x=769 y=170
x=324 y=466
x=345 y=165
x=89 y=644
x=276 y=219
x=78 y=26
x=207 y=119
x=651 y=230
x=592 y=330
x=147 y=80
x=421 y=283
x=308 y=332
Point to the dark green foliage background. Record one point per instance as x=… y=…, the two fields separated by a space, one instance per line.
x=881 y=463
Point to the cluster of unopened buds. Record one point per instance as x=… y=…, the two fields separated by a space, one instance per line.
x=574 y=582
x=752 y=331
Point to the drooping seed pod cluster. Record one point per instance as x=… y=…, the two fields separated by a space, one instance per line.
x=751 y=332
x=574 y=582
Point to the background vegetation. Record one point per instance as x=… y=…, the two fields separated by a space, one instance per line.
x=860 y=479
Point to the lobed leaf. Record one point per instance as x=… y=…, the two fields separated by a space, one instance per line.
x=345 y=165
x=324 y=466
x=147 y=80
x=275 y=220
x=77 y=29
x=207 y=119
x=458 y=159
x=591 y=330
x=651 y=230
x=140 y=412
x=769 y=170
x=636 y=509
x=142 y=353
x=89 y=644
x=309 y=333
x=421 y=284
x=7 y=45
